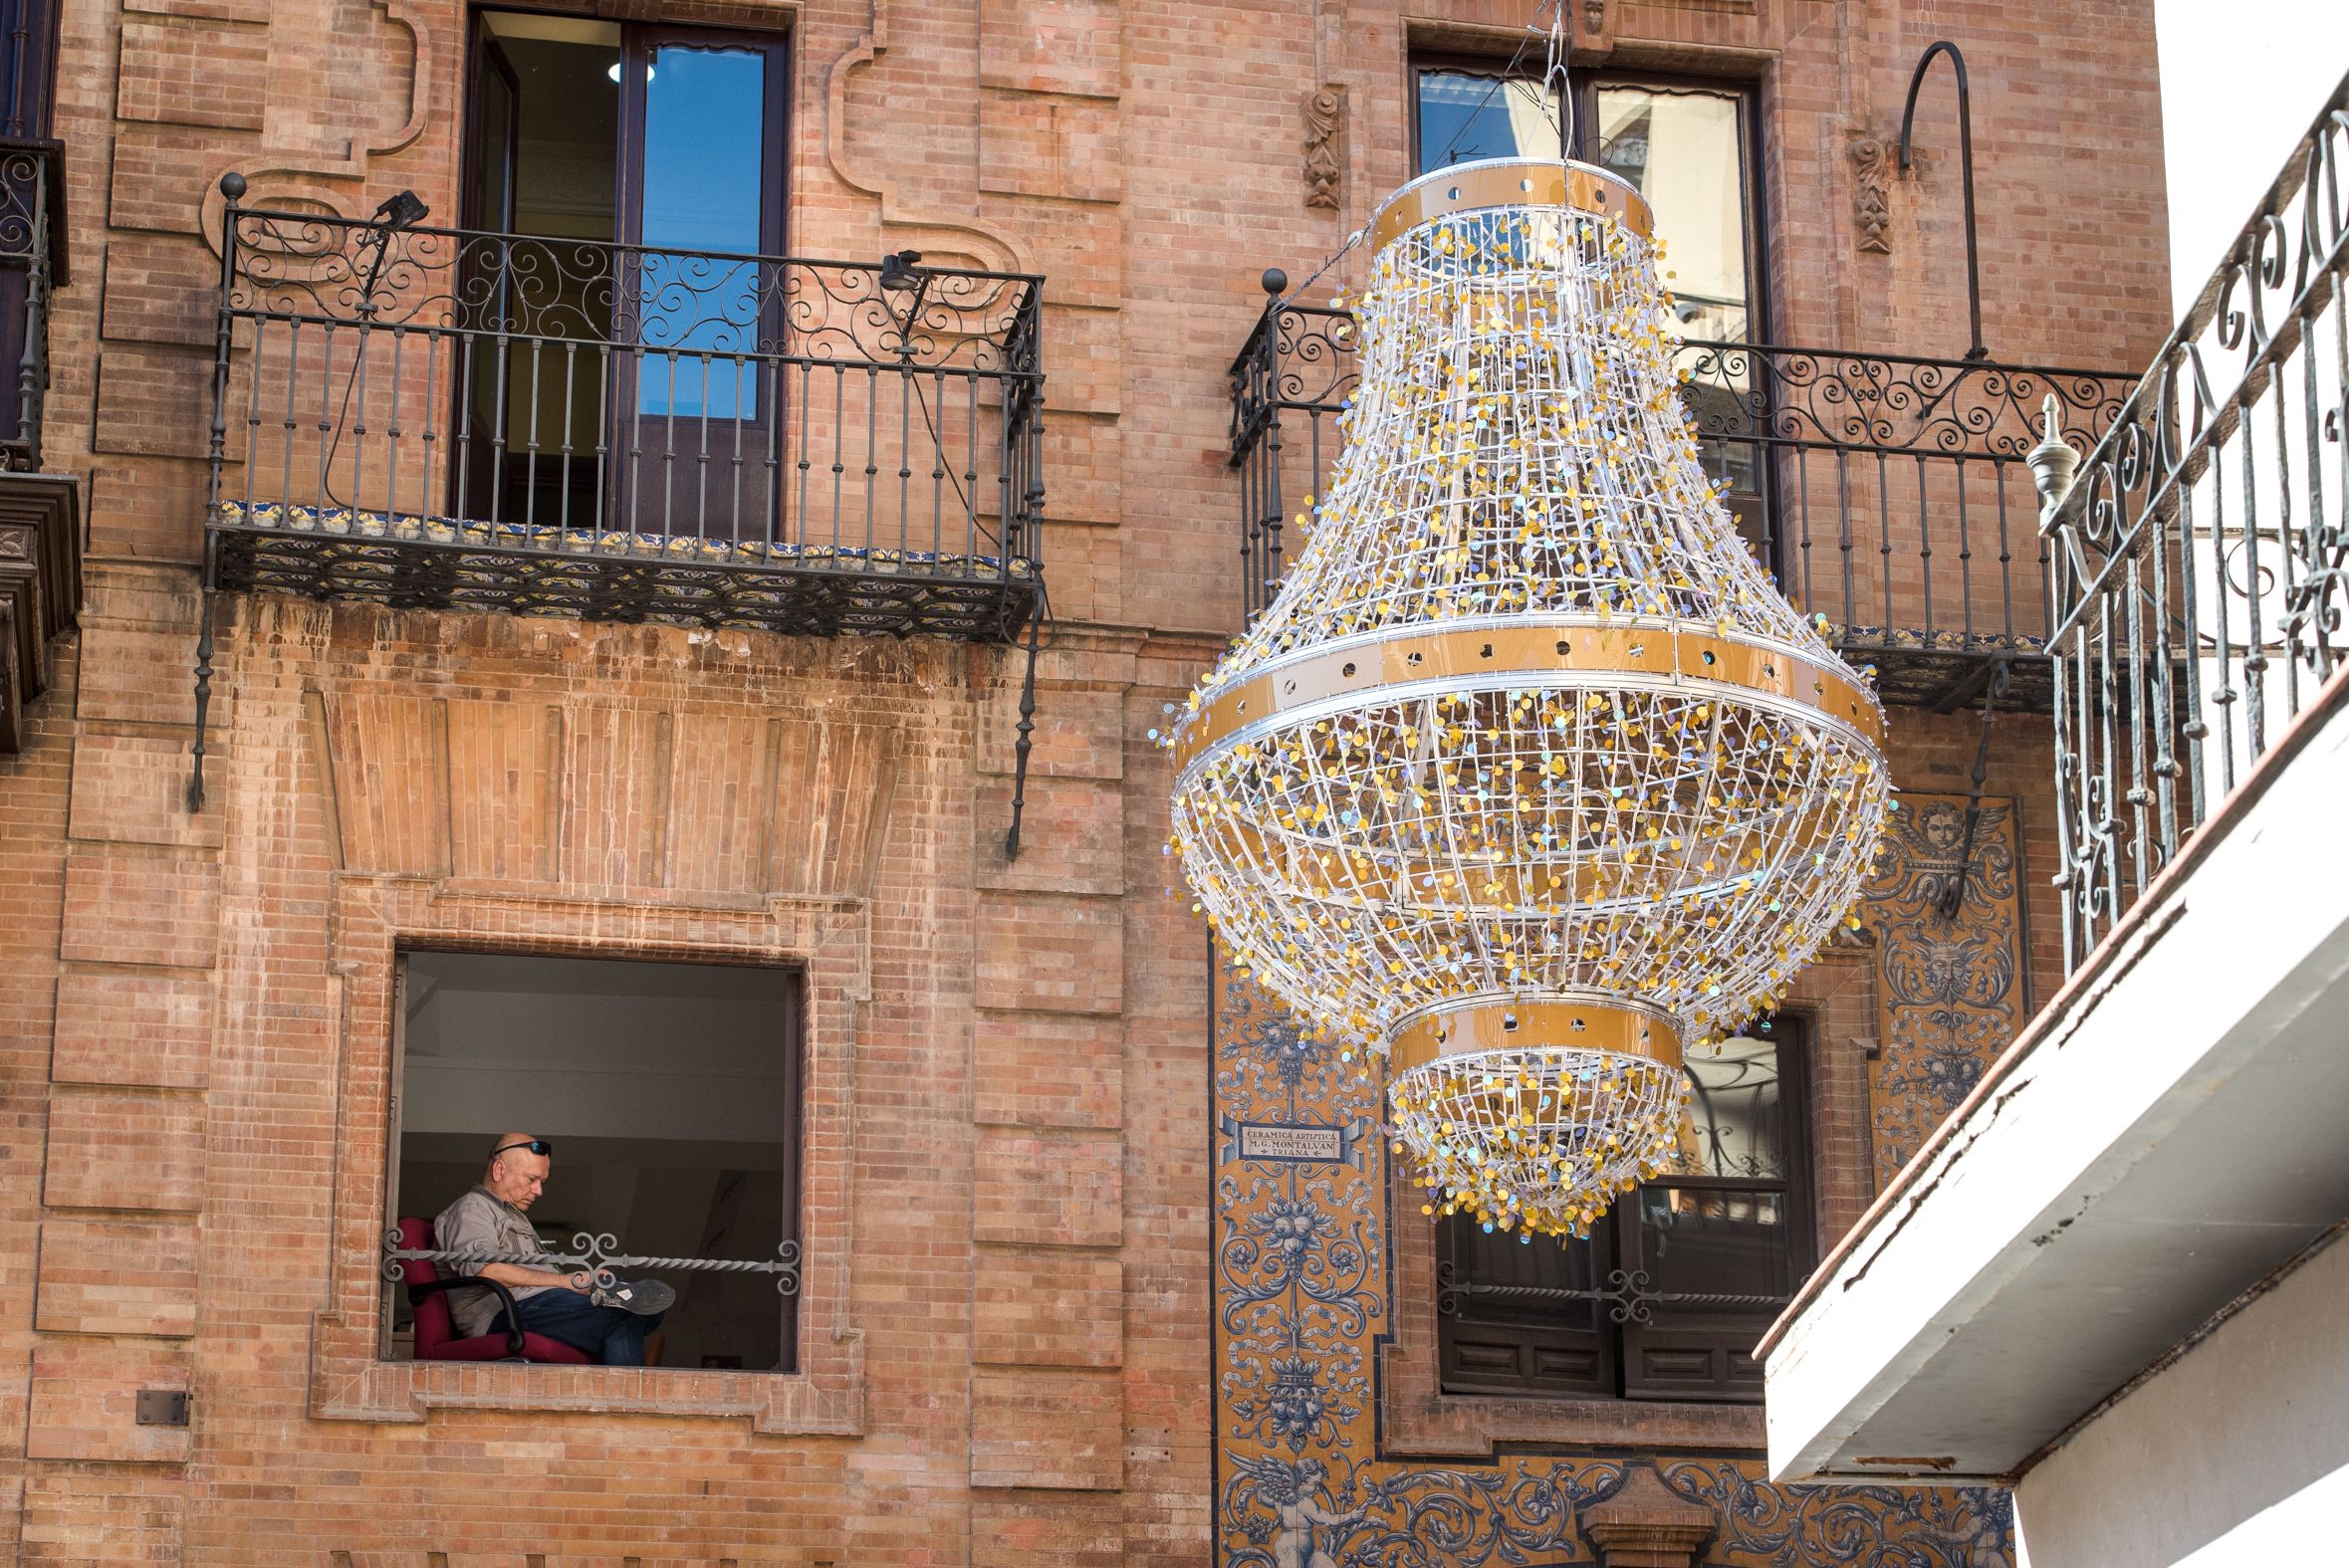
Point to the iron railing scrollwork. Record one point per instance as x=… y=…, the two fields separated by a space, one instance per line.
x=1298 y=359
x=598 y=1257
x=2201 y=562
x=1890 y=493
x=32 y=268
x=543 y=405
x=1629 y=1296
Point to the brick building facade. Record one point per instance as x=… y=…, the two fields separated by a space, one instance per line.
x=1012 y=1338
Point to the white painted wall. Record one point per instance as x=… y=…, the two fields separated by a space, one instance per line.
x=2235 y=1456
x=2240 y=80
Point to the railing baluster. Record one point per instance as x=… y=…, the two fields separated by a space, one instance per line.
x=970 y=495
x=392 y=432
x=2000 y=472
x=1924 y=551
x=1964 y=562
x=325 y=427
x=528 y=464
x=872 y=412
x=501 y=432
x=771 y=493
x=259 y=358
x=840 y=438
x=465 y=366
x=904 y=468
x=701 y=459
x=431 y=434
x=570 y=378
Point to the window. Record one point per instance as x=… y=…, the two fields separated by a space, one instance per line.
x=662 y=147
x=1688 y=147
x=669 y=1094
x=1668 y=1295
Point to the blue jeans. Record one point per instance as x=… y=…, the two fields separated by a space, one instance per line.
x=614 y=1337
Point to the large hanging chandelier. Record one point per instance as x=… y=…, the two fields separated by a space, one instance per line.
x=1528 y=775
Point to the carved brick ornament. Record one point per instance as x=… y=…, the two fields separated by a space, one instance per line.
x=1868 y=202
x=1325 y=109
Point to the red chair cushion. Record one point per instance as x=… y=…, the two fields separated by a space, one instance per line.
x=436 y=1329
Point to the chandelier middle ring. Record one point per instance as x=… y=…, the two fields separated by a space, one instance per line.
x=1528 y=775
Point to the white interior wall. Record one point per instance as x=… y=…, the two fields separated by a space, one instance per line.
x=2236 y=1455
x=663 y=1089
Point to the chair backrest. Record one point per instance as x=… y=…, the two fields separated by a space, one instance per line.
x=434 y=1326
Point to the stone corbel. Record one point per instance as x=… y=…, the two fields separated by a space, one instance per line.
x=1647 y=1525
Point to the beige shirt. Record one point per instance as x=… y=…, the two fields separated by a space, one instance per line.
x=482 y=1221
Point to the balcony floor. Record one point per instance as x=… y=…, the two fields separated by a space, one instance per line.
x=810 y=590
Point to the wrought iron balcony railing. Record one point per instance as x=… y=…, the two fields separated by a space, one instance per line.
x=32 y=268
x=436 y=417
x=1888 y=493
x=446 y=418
x=2202 y=558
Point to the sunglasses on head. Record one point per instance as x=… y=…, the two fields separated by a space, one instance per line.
x=544 y=1146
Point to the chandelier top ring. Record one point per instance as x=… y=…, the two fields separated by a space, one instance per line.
x=1512 y=182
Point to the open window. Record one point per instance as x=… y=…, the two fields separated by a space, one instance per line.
x=1667 y=1297
x=669 y=1095
x=634 y=373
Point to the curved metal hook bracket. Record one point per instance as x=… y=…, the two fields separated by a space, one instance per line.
x=1908 y=121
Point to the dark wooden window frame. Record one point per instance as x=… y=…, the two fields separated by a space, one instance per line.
x=1752 y=509
x=1584 y=85
x=1560 y=1360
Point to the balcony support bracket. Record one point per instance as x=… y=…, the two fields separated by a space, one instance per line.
x=1953 y=895
x=211 y=591
x=1026 y=741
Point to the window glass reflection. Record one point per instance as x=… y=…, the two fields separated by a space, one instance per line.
x=1735 y=1125
x=1463 y=118
x=1683 y=152
x=704 y=146
x=1708 y=1242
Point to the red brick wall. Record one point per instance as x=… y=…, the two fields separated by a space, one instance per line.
x=1006 y=1328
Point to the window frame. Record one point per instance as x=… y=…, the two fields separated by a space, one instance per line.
x=1615 y=1244
x=1582 y=87
x=795 y=1033
x=624 y=425
x=1755 y=512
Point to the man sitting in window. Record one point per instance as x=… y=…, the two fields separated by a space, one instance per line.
x=611 y=1324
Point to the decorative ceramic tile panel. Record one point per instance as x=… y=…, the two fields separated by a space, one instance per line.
x=1303 y=1300
x=1950 y=987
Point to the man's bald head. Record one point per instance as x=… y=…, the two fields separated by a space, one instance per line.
x=517 y=1167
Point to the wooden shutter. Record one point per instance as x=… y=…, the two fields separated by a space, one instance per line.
x=1507 y=1322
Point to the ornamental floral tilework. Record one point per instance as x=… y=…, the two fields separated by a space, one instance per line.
x=1950 y=987
x=1303 y=1300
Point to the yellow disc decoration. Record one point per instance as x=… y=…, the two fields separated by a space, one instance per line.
x=1530 y=775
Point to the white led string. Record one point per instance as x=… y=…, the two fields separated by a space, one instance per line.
x=1528 y=775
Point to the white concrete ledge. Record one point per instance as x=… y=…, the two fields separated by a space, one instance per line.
x=2169 y=1131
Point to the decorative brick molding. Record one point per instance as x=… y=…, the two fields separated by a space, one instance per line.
x=1871 y=208
x=1325 y=119
x=1647 y=1525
